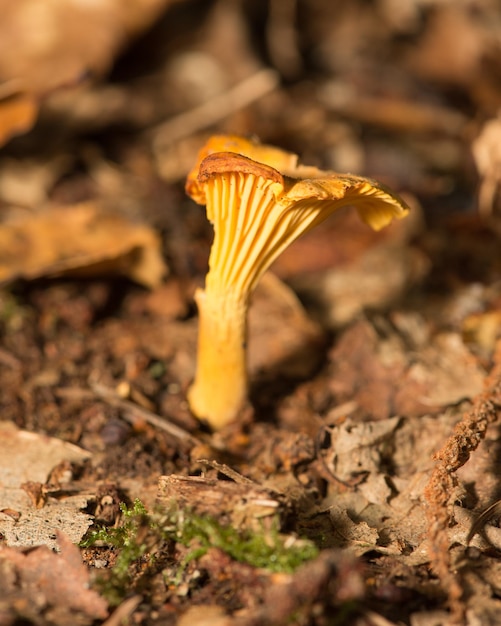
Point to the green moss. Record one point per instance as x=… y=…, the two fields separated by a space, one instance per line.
x=121 y=536
x=267 y=549
x=141 y=536
x=125 y=538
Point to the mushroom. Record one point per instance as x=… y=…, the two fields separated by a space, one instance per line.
x=259 y=201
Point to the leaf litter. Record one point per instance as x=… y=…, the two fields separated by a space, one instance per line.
x=375 y=431
x=36 y=494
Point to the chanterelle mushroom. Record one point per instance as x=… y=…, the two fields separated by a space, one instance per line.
x=259 y=201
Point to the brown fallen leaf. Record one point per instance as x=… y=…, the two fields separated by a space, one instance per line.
x=374 y=281
x=28 y=515
x=484 y=329
x=283 y=339
x=58 y=44
x=27 y=182
x=369 y=358
x=55 y=580
x=314 y=252
x=357 y=448
x=440 y=490
x=27 y=456
x=438 y=58
x=206 y=615
x=79 y=240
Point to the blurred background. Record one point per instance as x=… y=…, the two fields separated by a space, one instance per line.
x=401 y=90
x=104 y=105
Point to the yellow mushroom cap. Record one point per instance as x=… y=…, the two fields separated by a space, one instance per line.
x=277 y=158
x=258 y=211
x=376 y=205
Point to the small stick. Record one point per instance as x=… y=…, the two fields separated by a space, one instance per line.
x=132 y=410
x=237 y=97
x=226 y=470
x=493 y=509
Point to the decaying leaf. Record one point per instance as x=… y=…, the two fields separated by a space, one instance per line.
x=483 y=328
x=55 y=580
x=30 y=456
x=283 y=339
x=27 y=182
x=358 y=449
x=79 y=240
x=368 y=359
x=375 y=281
x=438 y=57
x=24 y=525
x=440 y=490
x=358 y=535
x=53 y=48
x=28 y=515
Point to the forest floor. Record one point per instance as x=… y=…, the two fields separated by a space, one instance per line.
x=361 y=485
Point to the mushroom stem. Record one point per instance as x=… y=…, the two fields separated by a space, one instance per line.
x=220 y=387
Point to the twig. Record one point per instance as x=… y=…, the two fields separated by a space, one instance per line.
x=132 y=411
x=394 y=114
x=237 y=97
x=226 y=470
x=439 y=491
x=490 y=511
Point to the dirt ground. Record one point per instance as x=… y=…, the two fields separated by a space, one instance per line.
x=360 y=485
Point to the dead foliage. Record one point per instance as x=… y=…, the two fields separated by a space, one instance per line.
x=442 y=486
x=367 y=352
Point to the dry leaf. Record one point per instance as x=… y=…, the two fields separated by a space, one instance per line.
x=79 y=240
x=446 y=372
x=372 y=282
x=27 y=182
x=27 y=457
x=439 y=58
x=365 y=366
x=359 y=448
x=484 y=329
x=206 y=615
x=56 y=580
x=58 y=44
x=283 y=339
x=33 y=526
